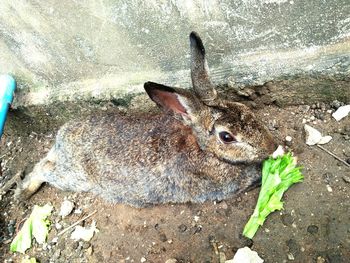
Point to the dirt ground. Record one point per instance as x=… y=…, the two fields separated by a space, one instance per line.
x=313 y=227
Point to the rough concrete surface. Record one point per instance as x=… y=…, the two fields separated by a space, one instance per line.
x=71 y=50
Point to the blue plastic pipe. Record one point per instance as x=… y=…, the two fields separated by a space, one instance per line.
x=7 y=89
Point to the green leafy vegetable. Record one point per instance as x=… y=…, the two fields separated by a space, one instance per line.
x=277 y=176
x=36 y=226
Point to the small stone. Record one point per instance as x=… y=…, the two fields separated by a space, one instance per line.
x=11 y=229
x=182 y=228
x=224 y=205
x=288 y=138
x=325 y=139
x=329 y=188
x=313 y=106
x=287 y=219
x=304 y=108
x=313 y=136
x=89 y=251
x=327 y=177
x=319 y=115
x=54 y=240
x=341 y=112
x=56 y=255
x=312 y=229
x=346 y=179
x=143 y=260
x=75 y=245
x=290 y=256
x=86 y=245
x=66 y=208
x=336 y=104
x=171 y=260
x=320 y=260
x=312 y=118
x=163 y=237
x=197 y=229
x=58 y=226
x=78 y=211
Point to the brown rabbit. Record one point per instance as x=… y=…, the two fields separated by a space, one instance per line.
x=203 y=148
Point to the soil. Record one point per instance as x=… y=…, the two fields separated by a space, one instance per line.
x=313 y=227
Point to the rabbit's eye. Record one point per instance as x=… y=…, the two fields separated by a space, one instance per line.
x=226 y=137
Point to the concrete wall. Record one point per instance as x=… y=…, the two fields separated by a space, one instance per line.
x=72 y=50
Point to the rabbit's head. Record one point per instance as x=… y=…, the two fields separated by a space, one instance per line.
x=226 y=129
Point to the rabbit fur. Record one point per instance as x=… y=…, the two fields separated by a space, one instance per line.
x=200 y=148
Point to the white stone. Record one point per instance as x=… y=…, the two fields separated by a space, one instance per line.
x=313 y=136
x=143 y=260
x=288 y=138
x=325 y=139
x=66 y=208
x=84 y=233
x=329 y=188
x=245 y=255
x=341 y=112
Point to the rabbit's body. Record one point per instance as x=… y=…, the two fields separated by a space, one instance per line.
x=204 y=153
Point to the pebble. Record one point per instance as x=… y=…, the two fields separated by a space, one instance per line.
x=224 y=205
x=56 y=255
x=293 y=246
x=287 y=219
x=86 y=245
x=335 y=104
x=58 y=226
x=320 y=260
x=66 y=208
x=171 y=260
x=320 y=116
x=89 y=251
x=346 y=179
x=197 y=229
x=288 y=138
x=182 y=228
x=143 y=260
x=290 y=256
x=312 y=229
x=163 y=237
x=329 y=188
x=75 y=245
x=304 y=108
x=341 y=112
x=54 y=240
x=327 y=177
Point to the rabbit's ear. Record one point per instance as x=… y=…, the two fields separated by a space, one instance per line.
x=170 y=99
x=201 y=82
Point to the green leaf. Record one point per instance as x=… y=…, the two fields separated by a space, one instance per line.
x=277 y=176
x=35 y=226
